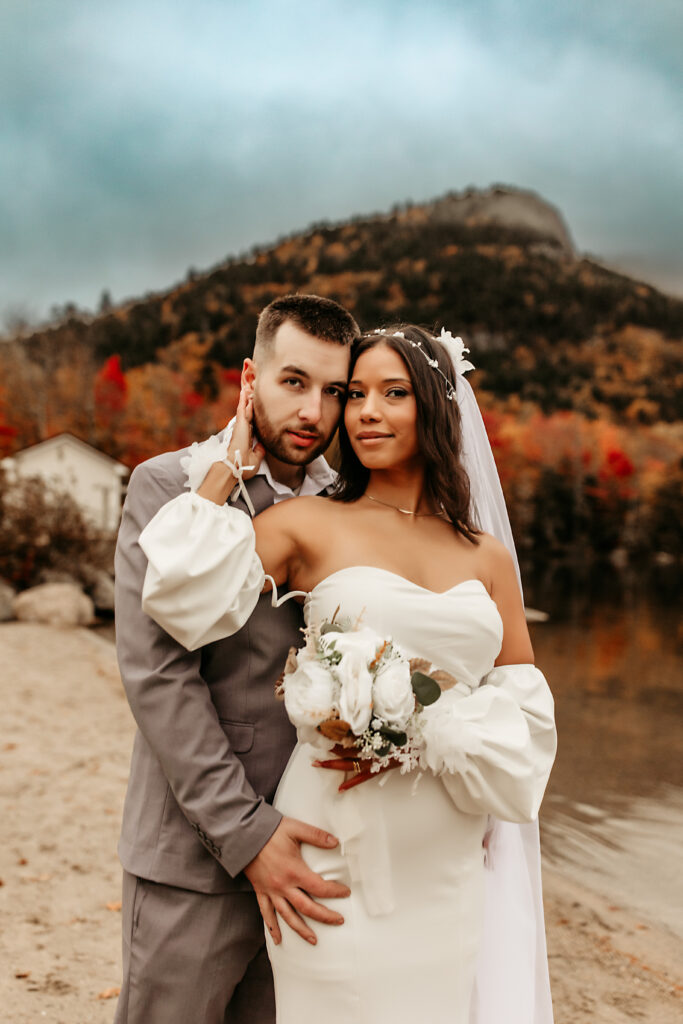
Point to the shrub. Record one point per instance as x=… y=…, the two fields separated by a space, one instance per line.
x=43 y=533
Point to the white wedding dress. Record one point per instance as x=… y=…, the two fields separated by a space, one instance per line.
x=411 y=849
x=407 y=950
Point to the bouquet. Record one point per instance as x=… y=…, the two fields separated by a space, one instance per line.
x=358 y=690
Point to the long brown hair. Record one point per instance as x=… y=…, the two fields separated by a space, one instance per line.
x=447 y=485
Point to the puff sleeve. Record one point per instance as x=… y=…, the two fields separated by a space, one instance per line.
x=494 y=748
x=203 y=576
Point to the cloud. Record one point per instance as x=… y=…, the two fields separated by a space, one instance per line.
x=144 y=137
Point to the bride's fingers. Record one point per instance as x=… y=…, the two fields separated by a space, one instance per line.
x=364 y=776
x=243 y=435
x=356 y=780
x=269 y=917
x=343 y=764
x=244 y=398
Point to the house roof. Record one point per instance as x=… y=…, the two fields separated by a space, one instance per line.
x=75 y=442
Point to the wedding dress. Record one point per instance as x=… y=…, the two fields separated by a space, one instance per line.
x=410 y=849
x=408 y=947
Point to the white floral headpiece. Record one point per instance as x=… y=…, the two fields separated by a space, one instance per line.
x=454 y=346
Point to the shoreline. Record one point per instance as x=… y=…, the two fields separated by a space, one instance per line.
x=65 y=753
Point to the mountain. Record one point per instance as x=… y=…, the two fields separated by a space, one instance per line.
x=579 y=368
x=498 y=266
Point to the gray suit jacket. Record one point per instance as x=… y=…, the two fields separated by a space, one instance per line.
x=212 y=740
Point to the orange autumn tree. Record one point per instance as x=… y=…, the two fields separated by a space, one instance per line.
x=223 y=407
x=155 y=407
x=578 y=485
x=161 y=412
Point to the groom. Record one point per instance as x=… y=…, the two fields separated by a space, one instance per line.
x=200 y=839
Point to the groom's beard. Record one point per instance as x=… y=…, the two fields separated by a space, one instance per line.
x=279 y=444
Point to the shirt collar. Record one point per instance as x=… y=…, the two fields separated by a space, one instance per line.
x=319 y=475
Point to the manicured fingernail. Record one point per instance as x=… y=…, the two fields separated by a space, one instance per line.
x=331 y=841
x=312 y=940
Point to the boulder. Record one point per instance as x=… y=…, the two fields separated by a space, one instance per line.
x=55 y=576
x=101 y=589
x=59 y=604
x=7 y=594
x=508 y=206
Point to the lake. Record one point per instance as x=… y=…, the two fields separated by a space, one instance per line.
x=613 y=813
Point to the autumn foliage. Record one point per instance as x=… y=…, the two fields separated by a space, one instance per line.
x=579 y=369
x=581 y=487
x=131 y=415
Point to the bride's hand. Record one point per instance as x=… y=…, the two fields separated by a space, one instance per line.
x=242 y=439
x=361 y=767
x=220 y=481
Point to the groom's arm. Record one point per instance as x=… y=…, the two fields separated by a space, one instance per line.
x=172 y=706
x=172 y=703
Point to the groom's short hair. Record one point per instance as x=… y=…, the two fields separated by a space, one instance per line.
x=322 y=318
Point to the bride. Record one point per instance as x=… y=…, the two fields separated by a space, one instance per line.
x=397 y=548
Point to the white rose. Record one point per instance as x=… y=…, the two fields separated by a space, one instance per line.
x=393 y=695
x=309 y=694
x=361 y=642
x=355 y=700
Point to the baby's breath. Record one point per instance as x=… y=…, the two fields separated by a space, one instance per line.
x=384 y=743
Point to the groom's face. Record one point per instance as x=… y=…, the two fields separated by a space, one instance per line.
x=299 y=391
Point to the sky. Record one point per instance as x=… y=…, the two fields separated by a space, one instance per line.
x=144 y=137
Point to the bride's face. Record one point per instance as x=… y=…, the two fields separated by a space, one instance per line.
x=381 y=410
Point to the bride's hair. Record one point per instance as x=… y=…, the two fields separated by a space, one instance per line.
x=438 y=427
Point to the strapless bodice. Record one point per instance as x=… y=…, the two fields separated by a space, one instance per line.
x=458 y=630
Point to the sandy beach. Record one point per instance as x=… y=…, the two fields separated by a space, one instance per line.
x=65 y=746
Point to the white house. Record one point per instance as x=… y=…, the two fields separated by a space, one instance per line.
x=94 y=480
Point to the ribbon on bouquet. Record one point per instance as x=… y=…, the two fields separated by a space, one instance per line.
x=357 y=818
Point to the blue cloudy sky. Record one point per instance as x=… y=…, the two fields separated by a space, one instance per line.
x=141 y=137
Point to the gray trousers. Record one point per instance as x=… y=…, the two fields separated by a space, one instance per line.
x=192 y=957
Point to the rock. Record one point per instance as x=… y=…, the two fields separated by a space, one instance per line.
x=508 y=206
x=7 y=594
x=60 y=604
x=535 y=615
x=619 y=558
x=56 y=576
x=101 y=589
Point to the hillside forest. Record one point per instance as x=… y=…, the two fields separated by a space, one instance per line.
x=578 y=368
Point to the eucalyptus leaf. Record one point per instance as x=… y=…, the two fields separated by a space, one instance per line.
x=395 y=736
x=330 y=627
x=426 y=689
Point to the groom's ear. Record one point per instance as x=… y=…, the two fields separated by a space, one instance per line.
x=248 y=374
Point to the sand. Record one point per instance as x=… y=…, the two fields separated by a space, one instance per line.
x=65 y=747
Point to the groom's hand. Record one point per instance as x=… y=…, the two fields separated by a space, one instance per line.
x=285 y=885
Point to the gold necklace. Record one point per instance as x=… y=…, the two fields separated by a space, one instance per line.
x=405 y=511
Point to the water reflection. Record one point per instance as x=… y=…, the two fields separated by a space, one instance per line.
x=614 y=808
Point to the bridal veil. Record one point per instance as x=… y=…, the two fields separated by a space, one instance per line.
x=512 y=982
